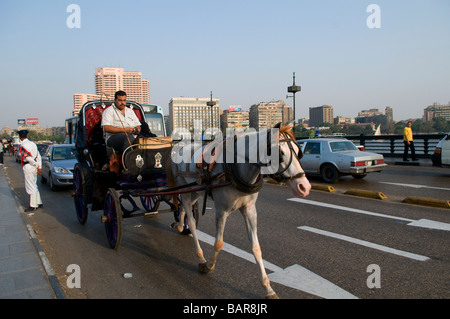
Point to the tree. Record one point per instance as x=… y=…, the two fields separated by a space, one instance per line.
x=440 y=124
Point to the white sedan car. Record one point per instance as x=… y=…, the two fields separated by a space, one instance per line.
x=333 y=157
x=441 y=155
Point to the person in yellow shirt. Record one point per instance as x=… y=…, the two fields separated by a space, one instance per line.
x=409 y=143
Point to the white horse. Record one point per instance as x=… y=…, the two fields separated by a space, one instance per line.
x=243 y=193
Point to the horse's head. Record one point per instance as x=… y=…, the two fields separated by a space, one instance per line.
x=290 y=169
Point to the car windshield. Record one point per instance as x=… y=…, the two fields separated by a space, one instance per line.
x=342 y=146
x=64 y=153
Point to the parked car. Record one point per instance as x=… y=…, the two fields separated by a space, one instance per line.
x=441 y=154
x=334 y=157
x=17 y=152
x=58 y=164
x=42 y=147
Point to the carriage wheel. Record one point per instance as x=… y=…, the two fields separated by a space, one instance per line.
x=176 y=213
x=80 y=184
x=150 y=203
x=112 y=218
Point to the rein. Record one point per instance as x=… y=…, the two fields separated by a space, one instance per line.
x=232 y=176
x=278 y=176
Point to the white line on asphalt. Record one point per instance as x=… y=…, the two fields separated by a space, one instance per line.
x=354 y=210
x=416 y=186
x=365 y=243
x=294 y=276
x=235 y=251
x=423 y=223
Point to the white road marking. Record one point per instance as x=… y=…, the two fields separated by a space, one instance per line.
x=295 y=276
x=365 y=243
x=423 y=223
x=354 y=210
x=300 y=278
x=416 y=186
x=235 y=251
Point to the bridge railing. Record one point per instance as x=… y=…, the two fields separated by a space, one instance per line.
x=392 y=145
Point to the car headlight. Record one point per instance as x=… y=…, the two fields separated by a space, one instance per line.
x=60 y=170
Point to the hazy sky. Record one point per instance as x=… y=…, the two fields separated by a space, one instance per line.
x=244 y=51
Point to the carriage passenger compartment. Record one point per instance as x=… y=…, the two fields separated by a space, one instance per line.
x=99 y=152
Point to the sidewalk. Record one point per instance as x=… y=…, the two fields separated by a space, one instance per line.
x=22 y=271
x=423 y=162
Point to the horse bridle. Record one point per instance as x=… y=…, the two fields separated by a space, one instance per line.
x=278 y=176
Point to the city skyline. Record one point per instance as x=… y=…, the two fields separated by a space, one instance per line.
x=244 y=52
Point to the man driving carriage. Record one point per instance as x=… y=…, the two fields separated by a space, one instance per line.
x=120 y=124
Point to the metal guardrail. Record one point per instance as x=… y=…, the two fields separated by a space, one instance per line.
x=392 y=145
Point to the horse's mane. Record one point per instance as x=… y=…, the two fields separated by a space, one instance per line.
x=288 y=130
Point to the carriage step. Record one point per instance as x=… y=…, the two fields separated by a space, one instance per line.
x=151 y=214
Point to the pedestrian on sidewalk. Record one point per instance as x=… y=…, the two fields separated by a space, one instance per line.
x=32 y=167
x=408 y=142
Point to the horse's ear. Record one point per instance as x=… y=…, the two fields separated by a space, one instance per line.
x=278 y=125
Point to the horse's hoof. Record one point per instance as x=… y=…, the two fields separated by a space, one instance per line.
x=204 y=268
x=176 y=226
x=272 y=296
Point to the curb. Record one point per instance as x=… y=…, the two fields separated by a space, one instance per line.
x=427 y=202
x=325 y=188
x=431 y=202
x=364 y=193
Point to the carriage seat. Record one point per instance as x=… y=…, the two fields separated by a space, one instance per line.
x=100 y=152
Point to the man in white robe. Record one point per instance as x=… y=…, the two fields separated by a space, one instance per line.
x=32 y=165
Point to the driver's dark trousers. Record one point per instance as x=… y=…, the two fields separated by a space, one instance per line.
x=120 y=141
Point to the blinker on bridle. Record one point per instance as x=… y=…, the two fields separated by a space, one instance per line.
x=278 y=176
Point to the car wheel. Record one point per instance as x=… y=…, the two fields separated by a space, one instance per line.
x=43 y=180
x=52 y=184
x=329 y=173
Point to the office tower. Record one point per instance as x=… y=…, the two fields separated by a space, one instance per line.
x=110 y=80
x=436 y=110
x=80 y=98
x=186 y=112
x=234 y=118
x=266 y=114
x=320 y=115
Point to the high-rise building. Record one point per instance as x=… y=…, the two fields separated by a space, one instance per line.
x=389 y=112
x=80 y=98
x=288 y=114
x=193 y=113
x=234 y=118
x=110 y=80
x=436 y=110
x=320 y=115
x=266 y=114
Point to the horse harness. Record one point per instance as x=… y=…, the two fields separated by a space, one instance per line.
x=232 y=175
x=278 y=176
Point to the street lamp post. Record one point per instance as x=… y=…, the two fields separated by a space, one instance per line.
x=211 y=104
x=294 y=89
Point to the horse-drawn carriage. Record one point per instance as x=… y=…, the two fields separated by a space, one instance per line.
x=139 y=172
x=144 y=170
